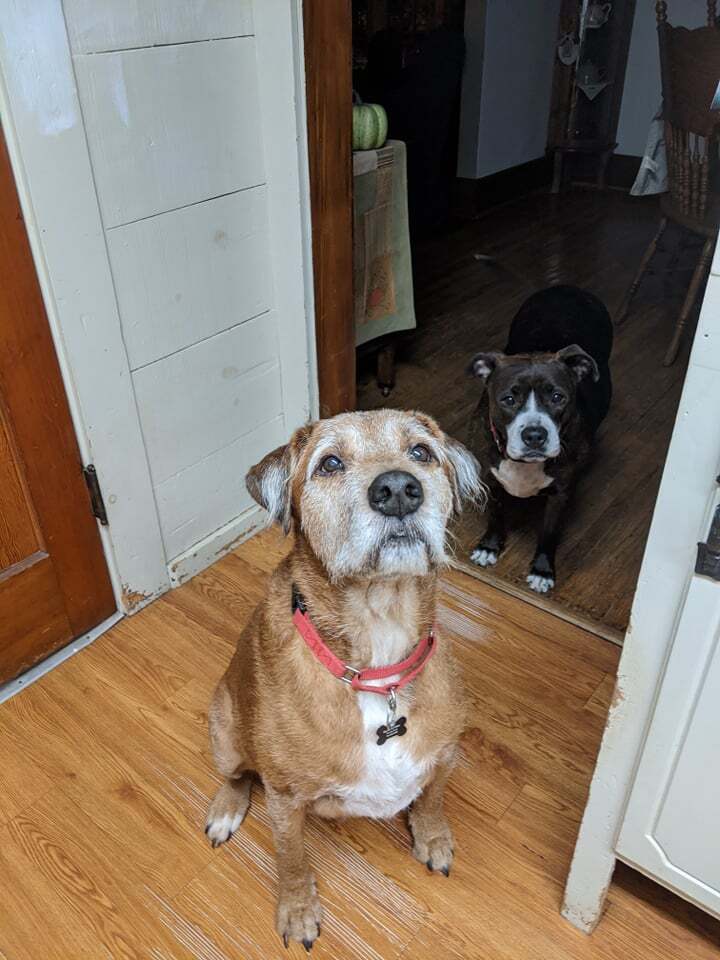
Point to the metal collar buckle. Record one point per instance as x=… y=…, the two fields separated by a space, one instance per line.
x=350 y=674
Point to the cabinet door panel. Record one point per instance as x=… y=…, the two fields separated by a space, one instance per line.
x=670 y=828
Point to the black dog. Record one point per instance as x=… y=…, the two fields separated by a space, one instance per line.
x=545 y=397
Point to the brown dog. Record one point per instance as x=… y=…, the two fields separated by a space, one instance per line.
x=368 y=496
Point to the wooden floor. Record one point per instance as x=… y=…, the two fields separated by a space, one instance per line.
x=465 y=305
x=105 y=777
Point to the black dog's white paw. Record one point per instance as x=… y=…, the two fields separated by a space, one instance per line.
x=484 y=558
x=540 y=583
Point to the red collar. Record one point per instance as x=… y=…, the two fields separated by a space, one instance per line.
x=496 y=435
x=410 y=667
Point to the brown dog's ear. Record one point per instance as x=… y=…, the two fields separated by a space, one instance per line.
x=483 y=364
x=268 y=482
x=466 y=469
x=581 y=364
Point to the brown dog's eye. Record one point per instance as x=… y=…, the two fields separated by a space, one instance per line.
x=420 y=453
x=331 y=464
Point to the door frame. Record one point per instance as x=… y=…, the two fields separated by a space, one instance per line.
x=327 y=30
x=681 y=518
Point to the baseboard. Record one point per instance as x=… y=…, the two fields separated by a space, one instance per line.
x=215 y=545
x=473 y=197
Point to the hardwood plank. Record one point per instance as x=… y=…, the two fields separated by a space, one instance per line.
x=109 y=774
x=131 y=793
x=22 y=782
x=367 y=914
x=70 y=898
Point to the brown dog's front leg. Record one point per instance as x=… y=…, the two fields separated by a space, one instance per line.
x=432 y=838
x=298 y=909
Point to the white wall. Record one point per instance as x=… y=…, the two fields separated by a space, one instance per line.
x=642 y=94
x=507 y=83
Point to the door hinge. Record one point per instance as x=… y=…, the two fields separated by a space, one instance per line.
x=96 y=498
x=708 y=553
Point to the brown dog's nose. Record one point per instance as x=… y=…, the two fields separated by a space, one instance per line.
x=395 y=493
x=534 y=437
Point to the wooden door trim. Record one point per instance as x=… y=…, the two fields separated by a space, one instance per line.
x=327 y=29
x=39 y=417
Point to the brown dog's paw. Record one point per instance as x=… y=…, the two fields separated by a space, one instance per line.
x=227 y=811
x=435 y=851
x=298 y=916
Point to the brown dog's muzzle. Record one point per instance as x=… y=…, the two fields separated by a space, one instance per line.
x=395 y=493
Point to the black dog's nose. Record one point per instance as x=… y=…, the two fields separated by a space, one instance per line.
x=395 y=493
x=534 y=437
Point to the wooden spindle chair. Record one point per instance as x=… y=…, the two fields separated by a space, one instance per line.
x=690 y=71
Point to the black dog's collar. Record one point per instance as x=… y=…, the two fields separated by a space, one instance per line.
x=496 y=436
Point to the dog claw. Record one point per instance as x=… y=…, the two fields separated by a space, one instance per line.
x=446 y=871
x=286 y=941
x=308 y=944
x=207 y=828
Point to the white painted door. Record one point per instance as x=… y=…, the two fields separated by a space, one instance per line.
x=670 y=829
x=655 y=792
x=160 y=150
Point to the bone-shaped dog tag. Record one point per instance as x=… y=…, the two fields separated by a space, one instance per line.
x=397 y=728
x=392 y=727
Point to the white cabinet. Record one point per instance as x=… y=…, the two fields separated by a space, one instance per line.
x=670 y=829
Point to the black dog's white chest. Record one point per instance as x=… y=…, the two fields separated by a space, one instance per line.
x=521 y=479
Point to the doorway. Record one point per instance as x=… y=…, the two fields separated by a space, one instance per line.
x=472 y=272
x=54 y=583
x=465 y=304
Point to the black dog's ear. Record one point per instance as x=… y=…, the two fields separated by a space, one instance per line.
x=483 y=364
x=268 y=482
x=581 y=364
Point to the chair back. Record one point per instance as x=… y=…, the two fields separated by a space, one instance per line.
x=690 y=71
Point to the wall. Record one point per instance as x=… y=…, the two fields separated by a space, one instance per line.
x=158 y=151
x=642 y=93
x=507 y=83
